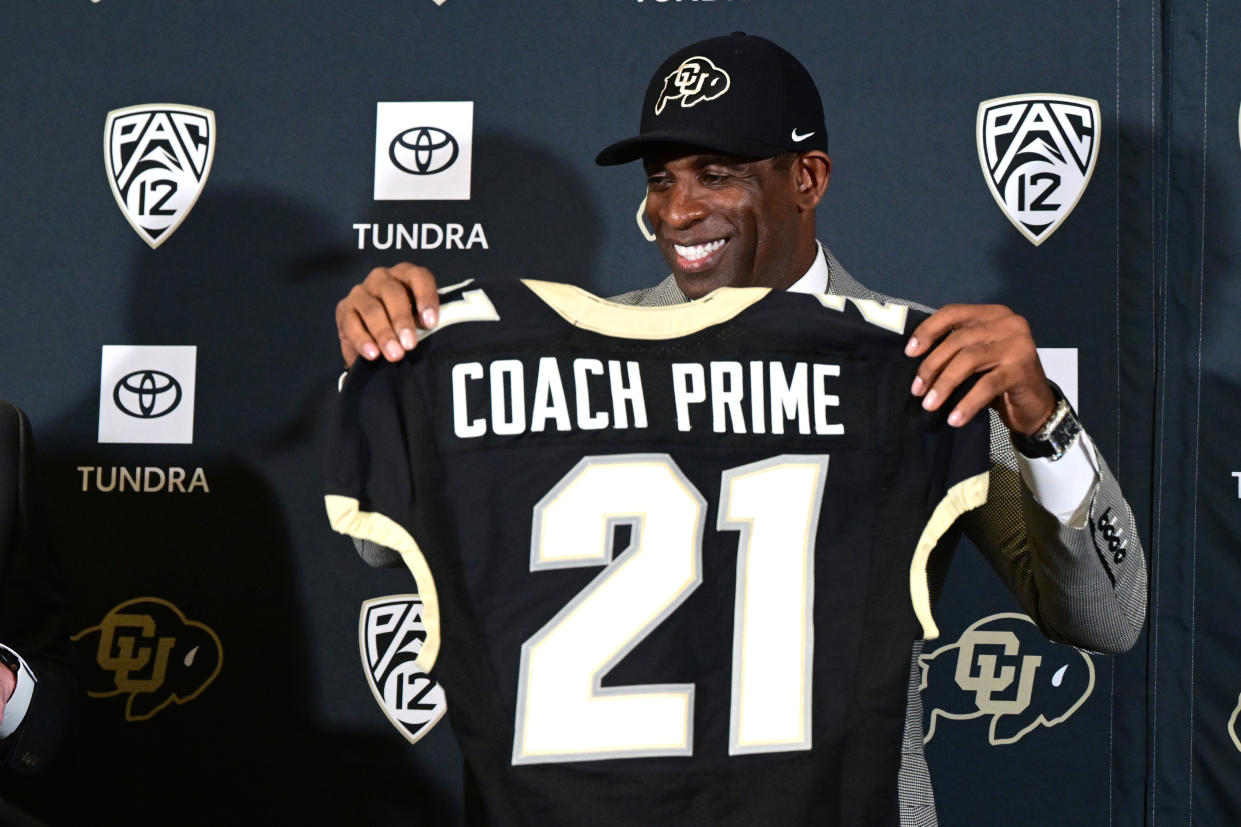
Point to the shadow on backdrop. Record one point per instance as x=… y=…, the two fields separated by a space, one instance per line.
x=247 y=556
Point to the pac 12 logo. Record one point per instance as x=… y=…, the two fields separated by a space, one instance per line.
x=390 y=635
x=1003 y=667
x=146 y=650
x=1037 y=154
x=158 y=156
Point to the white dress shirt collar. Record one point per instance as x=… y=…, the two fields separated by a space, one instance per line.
x=813 y=280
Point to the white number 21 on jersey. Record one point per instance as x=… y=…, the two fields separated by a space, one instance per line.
x=563 y=711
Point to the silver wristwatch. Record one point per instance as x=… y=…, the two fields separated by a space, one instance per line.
x=1057 y=435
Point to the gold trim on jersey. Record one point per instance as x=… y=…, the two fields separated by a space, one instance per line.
x=347 y=517
x=966 y=495
x=589 y=312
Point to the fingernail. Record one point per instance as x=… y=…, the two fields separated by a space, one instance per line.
x=928 y=401
x=428 y=317
x=370 y=351
x=918 y=386
x=911 y=347
x=408 y=339
x=955 y=419
x=394 y=350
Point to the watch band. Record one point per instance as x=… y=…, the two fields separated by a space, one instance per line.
x=1058 y=434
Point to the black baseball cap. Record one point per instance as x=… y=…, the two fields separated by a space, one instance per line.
x=738 y=94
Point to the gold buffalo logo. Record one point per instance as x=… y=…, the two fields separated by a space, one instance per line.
x=146 y=649
x=697 y=79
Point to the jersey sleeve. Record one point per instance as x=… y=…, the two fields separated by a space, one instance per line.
x=958 y=474
x=369 y=489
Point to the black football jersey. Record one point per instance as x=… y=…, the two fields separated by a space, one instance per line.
x=672 y=560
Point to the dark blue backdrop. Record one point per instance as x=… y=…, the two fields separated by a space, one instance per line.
x=1140 y=279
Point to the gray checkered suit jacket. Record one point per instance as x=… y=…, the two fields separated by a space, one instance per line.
x=1071 y=582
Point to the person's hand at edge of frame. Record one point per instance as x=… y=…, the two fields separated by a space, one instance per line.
x=990 y=340
x=377 y=316
x=8 y=684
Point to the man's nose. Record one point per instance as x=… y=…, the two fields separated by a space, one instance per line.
x=684 y=205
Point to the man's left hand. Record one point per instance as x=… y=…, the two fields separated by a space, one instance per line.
x=994 y=343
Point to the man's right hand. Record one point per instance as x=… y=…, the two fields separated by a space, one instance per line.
x=378 y=315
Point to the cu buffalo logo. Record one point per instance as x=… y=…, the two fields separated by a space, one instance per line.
x=423 y=150
x=1037 y=154
x=390 y=635
x=147 y=394
x=146 y=650
x=697 y=79
x=1003 y=668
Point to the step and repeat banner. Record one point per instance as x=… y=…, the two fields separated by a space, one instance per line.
x=1194 y=742
x=190 y=187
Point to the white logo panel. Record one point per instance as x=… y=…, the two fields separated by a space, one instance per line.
x=146 y=394
x=1060 y=365
x=1037 y=154
x=158 y=157
x=423 y=150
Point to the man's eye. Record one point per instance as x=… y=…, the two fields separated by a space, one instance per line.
x=714 y=177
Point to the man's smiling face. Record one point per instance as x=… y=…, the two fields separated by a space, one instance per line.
x=722 y=221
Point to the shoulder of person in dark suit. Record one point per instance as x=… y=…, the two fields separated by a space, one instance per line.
x=34 y=614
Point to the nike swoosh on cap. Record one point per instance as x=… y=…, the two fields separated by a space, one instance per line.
x=800 y=138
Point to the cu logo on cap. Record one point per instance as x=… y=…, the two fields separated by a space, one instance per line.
x=147 y=394
x=697 y=79
x=423 y=150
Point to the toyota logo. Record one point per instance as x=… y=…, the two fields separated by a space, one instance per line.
x=147 y=394
x=423 y=150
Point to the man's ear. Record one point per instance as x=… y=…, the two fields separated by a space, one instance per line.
x=811 y=172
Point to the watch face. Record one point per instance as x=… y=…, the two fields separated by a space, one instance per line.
x=1065 y=433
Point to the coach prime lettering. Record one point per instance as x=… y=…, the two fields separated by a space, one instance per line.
x=752 y=397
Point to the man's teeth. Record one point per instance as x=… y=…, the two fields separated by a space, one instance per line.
x=698 y=251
